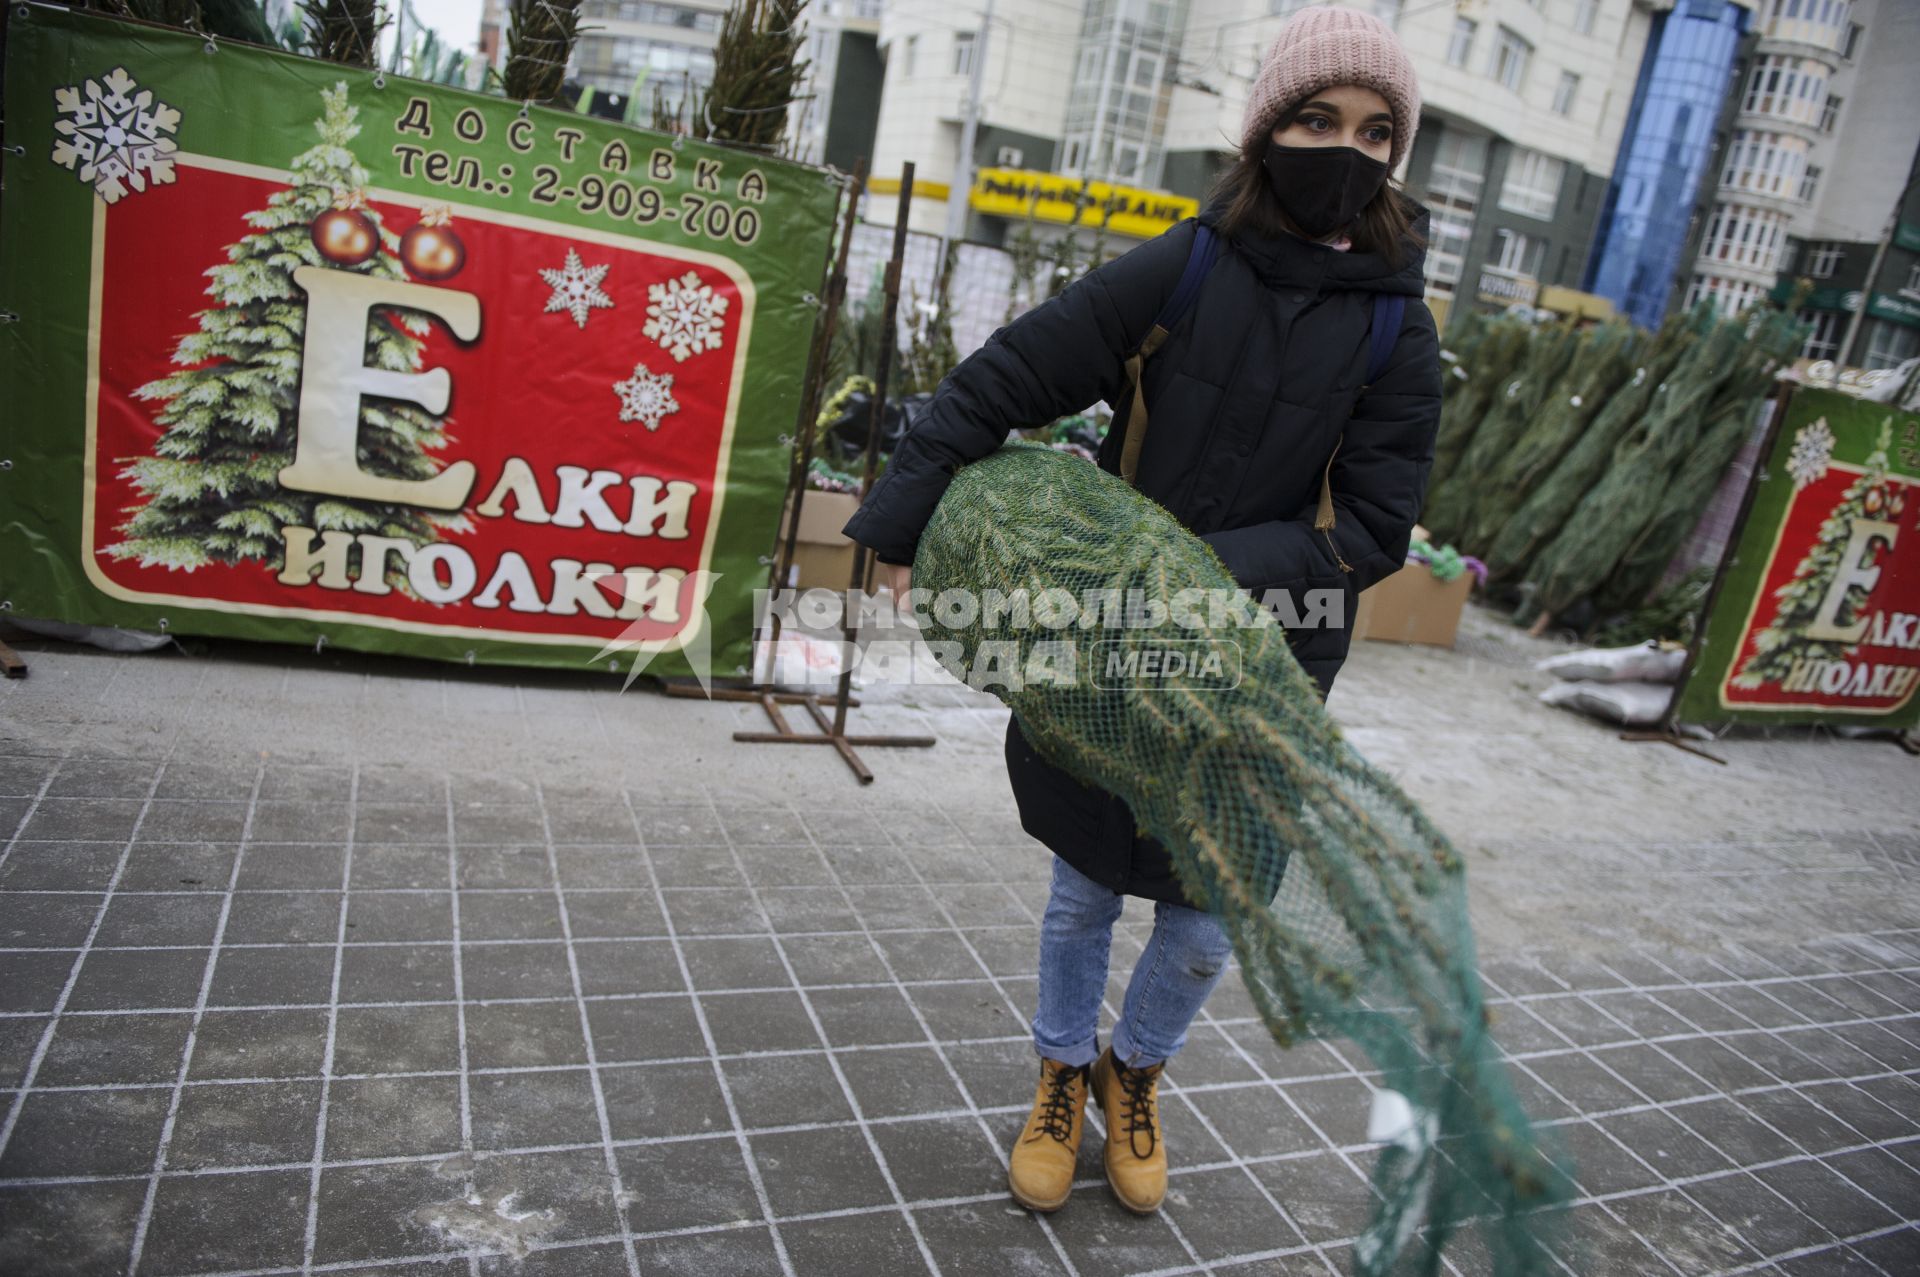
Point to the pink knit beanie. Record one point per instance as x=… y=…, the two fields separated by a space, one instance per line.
x=1327 y=45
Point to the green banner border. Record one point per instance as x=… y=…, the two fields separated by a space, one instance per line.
x=243 y=104
x=1853 y=422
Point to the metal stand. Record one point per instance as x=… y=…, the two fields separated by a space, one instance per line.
x=835 y=732
x=1665 y=732
x=833 y=289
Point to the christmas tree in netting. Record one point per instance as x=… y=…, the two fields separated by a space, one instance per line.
x=1462 y=344
x=1497 y=348
x=1773 y=337
x=1543 y=513
x=211 y=490
x=1347 y=907
x=1784 y=643
x=1451 y=501
x=1626 y=497
x=1600 y=359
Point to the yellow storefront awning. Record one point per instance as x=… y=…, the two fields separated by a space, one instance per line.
x=1073 y=201
x=1571 y=301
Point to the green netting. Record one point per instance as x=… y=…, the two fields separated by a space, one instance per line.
x=1347 y=907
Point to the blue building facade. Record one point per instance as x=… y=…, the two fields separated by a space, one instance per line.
x=1683 y=86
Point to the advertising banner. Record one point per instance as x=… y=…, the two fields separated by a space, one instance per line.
x=1050 y=197
x=305 y=352
x=1817 y=618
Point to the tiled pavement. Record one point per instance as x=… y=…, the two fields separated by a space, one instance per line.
x=290 y=1018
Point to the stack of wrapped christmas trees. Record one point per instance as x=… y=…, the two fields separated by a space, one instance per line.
x=1575 y=462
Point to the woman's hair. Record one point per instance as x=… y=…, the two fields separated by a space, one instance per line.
x=1384 y=226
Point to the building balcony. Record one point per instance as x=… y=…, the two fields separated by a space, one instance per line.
x=1810 y=133
x=1788 y=206
x=1827 y=53
x=1730 y=269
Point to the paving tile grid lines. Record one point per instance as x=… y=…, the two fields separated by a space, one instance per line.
x=273 y=1008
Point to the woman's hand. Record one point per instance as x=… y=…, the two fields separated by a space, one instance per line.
x=897 y=577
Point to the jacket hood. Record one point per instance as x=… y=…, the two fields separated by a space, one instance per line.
x=1289 y=261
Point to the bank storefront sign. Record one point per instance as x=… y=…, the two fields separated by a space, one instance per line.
x=1901 y=310
x=1498 y=286
x=1073 y=201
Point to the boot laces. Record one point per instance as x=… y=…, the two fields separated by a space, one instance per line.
x=1056 y=1106
x=1138 y=1110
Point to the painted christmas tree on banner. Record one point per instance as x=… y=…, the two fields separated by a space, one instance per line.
x=216 y=488
x=1824 y=615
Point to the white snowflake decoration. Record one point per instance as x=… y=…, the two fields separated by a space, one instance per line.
x=113 y=137
x=685 y=316
x=646 y=397
x=1812 y=450
x=576 y=288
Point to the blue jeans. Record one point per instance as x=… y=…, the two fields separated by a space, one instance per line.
x=1182 y=962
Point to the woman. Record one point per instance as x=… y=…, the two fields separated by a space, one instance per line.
x=1250 y=394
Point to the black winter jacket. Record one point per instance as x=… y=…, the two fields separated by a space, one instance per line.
x=1247 y=398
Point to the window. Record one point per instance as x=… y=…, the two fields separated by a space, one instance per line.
x=1912 y=286
x=1088 y=71
x=1453 y=192
x=963 y=53
x=1532 y=184
x=1462 y=43
x=659 y=15
x=1510 y=54
x=1459 y=169
x=1824 y=341
x=1789 y=87
x=1584 y=13
x=908 y=58
x=1765 y=163
x=1831 y=115
x=1730 y=296
x=1447 y=250
x=1519 y=254
x=1848 y=45
x=1810 y=184
x=1826 y=260
x=1745 y=237
x=1889 y=345
x=1564 y=95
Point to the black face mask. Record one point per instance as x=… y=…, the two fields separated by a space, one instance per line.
x=1322 y=188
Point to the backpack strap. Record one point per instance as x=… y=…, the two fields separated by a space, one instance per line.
x=1389 y=310
x=1200 y=259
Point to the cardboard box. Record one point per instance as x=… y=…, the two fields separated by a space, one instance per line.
x=823 y=556
x=1412 y=607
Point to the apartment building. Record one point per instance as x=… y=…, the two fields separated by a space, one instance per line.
x=834 y=123
x=636 y=46
x=1590 y=156
x=1525 y=102
x=1824 y=158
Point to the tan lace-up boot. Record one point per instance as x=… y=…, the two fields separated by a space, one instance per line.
x=1136 y=1155
x=1040 y=1172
